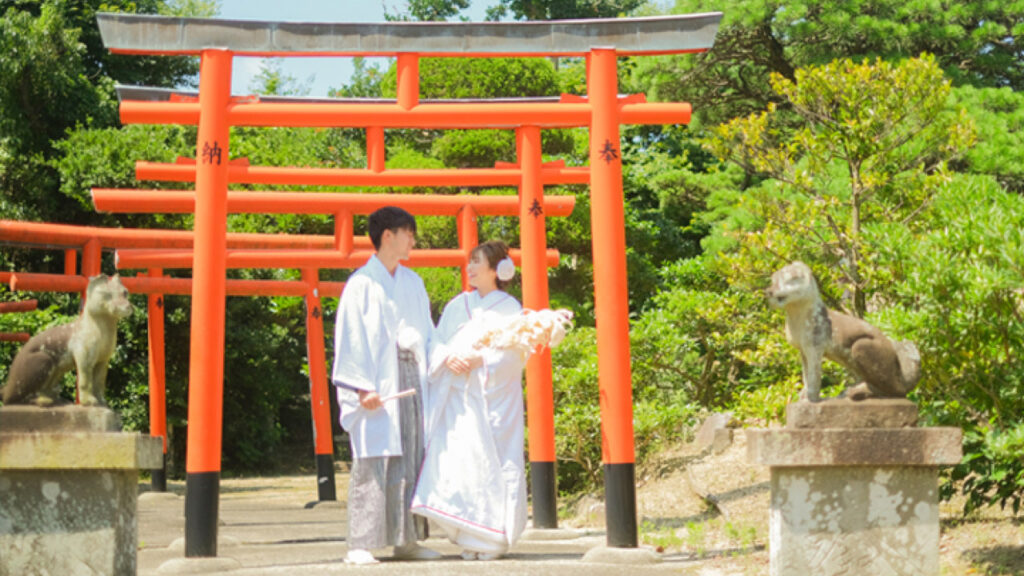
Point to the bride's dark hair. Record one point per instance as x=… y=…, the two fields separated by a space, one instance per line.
x=493 y=252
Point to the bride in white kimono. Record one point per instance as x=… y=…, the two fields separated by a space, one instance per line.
x=473 y=481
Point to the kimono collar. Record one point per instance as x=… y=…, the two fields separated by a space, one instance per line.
x=492 y=299
x=380 y=273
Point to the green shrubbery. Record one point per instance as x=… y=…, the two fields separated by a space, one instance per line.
x=961 y=302
x=662 y=414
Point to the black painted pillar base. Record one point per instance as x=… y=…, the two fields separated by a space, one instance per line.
x=202 y=506
x=158 y=477
x=325 y=478
x=620 y=504
x=542 y=487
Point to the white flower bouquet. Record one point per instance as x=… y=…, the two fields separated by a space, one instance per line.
x=528 y=332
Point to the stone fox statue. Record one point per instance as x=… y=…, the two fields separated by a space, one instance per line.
x=886 y=369
x=86 y=344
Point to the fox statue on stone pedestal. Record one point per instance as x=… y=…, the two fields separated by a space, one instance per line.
x=85 y=344
x=886 y=369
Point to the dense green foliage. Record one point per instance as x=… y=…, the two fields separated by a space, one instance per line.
x=880 y=142
x=431 y=10
x=960 y=299
x=865 y=144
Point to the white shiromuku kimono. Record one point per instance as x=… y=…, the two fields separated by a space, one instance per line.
x=473 y=481
x=382 y=338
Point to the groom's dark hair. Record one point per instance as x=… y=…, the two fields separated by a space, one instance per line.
x=389 y=218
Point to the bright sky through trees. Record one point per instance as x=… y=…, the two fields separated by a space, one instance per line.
x=318 y=74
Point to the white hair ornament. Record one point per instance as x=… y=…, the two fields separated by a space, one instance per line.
x=506 y=269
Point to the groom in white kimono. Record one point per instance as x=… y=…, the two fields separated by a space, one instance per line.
x=382 y=336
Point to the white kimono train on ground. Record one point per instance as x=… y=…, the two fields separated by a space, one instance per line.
x=473 y=481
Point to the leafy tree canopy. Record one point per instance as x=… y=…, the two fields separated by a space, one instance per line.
x=430 y=10
x=871 y=144
x=978 y=43
x=999 y=114
x=56 y=75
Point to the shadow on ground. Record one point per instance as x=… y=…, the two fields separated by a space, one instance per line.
x=997 y=560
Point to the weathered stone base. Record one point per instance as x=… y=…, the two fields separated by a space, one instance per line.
x=854 y=489
x=71 y=418
x=548 y=534
x=209 y=565
x=626 y=556
x=68 y=522
x=68 y=491
x=854 y=520
x=845 y=414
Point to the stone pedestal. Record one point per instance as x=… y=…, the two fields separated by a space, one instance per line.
x=68 y=490
x=854 y=488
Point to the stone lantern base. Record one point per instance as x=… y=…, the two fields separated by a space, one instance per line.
x=68 y=490
x=854 y=488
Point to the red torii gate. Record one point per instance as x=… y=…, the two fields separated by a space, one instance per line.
x=601 y=42
x=155 y=285
x=343 y=254
x=175 y=246
x=311 y=260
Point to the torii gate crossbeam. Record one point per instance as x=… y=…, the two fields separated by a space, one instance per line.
x=171 y=248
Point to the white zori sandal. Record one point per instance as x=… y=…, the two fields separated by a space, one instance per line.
x=360 y=557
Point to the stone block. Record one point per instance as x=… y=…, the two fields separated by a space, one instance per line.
x=856 y=500
x=855 y=447
x=842 y=413
x=714 y=433
x=854 y=520
x=80 y=451
x=68 y=498
x=621 y=556
x=20 y=418
x=68 y=522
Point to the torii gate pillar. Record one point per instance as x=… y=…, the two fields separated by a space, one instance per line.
x=611 y=300
x=540 y=412
x=206 y=368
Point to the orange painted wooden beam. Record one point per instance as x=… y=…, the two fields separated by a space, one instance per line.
x=23 y=306
x=467 y=230
x=407 y=77
x=316 y=355
x=611 y=294
x=343 y=231
x=168 y=201
x=298 y=176
x=182 y=259
x=15 y=336
x=157 y=364
x=375 y=151
x=71 y=261
x=62 y=235
x=533 y=238
x=207 y=326
x=432 y=116
x=29 y=282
